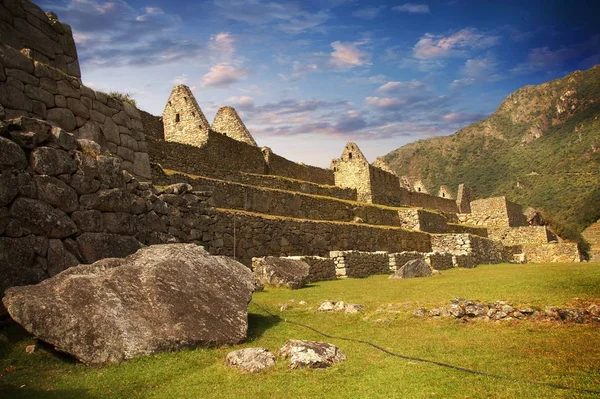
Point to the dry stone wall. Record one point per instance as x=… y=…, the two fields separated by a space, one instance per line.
x=320 y=268
x=553 y=252
x=183 y=120
x=496 y=212
x=159 y=177
x=359 y=264
x=469 y=250
x=522 y=235
x=279 y=166
x=153 y=126
x=39 y=35
x=31 y=88
x=246 y=235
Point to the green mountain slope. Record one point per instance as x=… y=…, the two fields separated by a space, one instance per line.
x=540 y=148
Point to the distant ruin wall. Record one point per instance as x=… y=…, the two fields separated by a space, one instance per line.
x=469 y=250
x=320 y=267
x=385 y=187
x=497 y=212
x=257 y=236
x=521 y=235
x=153 y=126
x=279 y=166
x=274 y=182
x=26 y=28
x=359 y=264
x=555 y=252
x=31 y=88
x=218 y=152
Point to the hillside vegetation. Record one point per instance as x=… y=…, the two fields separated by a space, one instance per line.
x=540 y=148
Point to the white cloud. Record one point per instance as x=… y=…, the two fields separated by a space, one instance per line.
x=457 y=44
x=222 y=44
x=383 y=103
x=149 y=13
x=400 y=87
x=222 y=75
x=181 y=79
x=348 y=55
x=299 y=70
x=412 y=8
x=462 y=82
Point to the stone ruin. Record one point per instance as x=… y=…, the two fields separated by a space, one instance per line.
x=85 y=177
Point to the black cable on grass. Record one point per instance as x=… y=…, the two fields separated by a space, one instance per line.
x=417 y=359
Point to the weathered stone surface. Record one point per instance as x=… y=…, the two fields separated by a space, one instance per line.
x=108 y=200
x=78 y=108
x=250 y=360
x=64 y=140
x=164 y=297
x=311 y=354
x=141 y=165
x=96 y=246
x=13 y=98
x=8 y=187
x=119 y=223
x=413 y=268
x=88 y=221
x=35 y=93
x=59 y=258
x=92 y=131
x=111 y=131
x=17 y=265
x=63 y=117
x=41 y=218
x=50 y=161
x=11 y=155
x=280 y=272
x=56 y=192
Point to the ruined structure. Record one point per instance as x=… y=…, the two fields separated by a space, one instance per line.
x=72 y=162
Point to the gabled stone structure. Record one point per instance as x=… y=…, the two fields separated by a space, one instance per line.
x=419 y=187
x=183 y=120
x=228 y=122
x=445 y=192
x=352 y=170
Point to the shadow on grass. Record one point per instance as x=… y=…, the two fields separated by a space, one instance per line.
x=258 y=324
x=10 y=391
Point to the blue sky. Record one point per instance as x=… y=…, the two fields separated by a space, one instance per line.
x=309 y=76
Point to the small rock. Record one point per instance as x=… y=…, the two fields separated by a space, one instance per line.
x=435 y=312
x=302 y=303
x=456 y=310
x=250 y=360
x=420 y=312
x=339 y=306
x=353 y=308
x=29 y=349
x=283 y=307
x=326 y=306
x=311 y=354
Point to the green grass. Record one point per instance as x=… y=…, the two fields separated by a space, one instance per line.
x=550 y=352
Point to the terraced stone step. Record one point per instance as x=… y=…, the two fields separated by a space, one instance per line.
x=231 y=195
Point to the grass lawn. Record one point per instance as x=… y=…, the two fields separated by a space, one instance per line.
x=548 y=352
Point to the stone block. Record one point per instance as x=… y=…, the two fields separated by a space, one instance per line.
x=78 y=108
x=35 y=93
x=23 y=76
x=13 y=98
x=63 y=117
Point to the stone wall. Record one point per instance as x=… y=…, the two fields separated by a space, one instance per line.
x=31 y=88
x=320 y=268
x=385 y=188
x=153 y=126
x=469 y=250
x=398 y=259
x=522 y=235
x=264 y=181
x=62 y=203
x=359 y=264
x=497 y=212
x=183 y=120
x=257 y=235
x=553 y=252
x=351 y=170
x=463 y=199
x=279 y=166
x=41 y=36
x=228 y=123
x=217 y=152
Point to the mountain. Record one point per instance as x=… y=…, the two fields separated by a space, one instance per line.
x=540 y=148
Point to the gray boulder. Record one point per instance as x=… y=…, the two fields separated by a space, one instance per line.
x=311 y=354
x=281 y=272
x=413 y=268
x=250 y=360
x=162 y=298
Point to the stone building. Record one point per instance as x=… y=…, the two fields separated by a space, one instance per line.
x=445 y=192
x=228 y=122
x=183 y=120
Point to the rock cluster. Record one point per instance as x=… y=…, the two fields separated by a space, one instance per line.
x=250 y=360
x=501 y=310
x=340 y=306
x=413 y=268
x=162 y=298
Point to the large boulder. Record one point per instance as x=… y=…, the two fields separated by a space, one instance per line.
x=162 y=298
x=413 y=268
x=96 y=246
x=281 y=272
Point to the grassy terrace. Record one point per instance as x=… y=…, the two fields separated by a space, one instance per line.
x=549 y=352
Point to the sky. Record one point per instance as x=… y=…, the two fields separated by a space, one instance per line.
x=309 y=76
